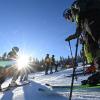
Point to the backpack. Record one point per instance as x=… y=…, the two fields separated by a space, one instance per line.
x=47 y=61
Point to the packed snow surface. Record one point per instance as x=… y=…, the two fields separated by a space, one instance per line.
x=38 y=80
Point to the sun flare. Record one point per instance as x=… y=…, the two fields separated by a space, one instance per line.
x=22 y=62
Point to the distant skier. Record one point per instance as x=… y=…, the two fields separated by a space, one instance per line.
x=47 y=64
x=52 y=63
x=56 y=66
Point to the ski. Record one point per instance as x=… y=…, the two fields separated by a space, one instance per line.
x=13 y=87
x=75 y=86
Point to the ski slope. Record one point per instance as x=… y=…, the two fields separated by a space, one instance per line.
x=38 y=80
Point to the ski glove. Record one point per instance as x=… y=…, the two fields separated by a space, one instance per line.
x=69 y=38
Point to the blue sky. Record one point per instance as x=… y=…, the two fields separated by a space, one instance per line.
x=37 y=27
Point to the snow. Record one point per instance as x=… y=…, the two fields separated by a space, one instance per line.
x=38 y=80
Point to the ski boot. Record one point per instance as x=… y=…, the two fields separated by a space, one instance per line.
x=94 y=79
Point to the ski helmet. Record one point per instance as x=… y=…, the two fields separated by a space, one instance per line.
x=15 y=49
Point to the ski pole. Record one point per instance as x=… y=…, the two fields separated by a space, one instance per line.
x=83 y=59
x=70 y=49
x=83 y=55
x=72 y=57
x=74 y=67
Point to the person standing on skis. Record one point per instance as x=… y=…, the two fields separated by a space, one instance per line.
x=47 y=64
x=13 y=55
x=88 y=23
x=52 y=63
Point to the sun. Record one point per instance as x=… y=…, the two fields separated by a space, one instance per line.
x=22 y=62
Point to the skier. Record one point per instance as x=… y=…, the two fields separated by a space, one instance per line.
x=13 y=55
x=85 y=14
x=47 y=63
x=52 y=63
x=56 y=66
